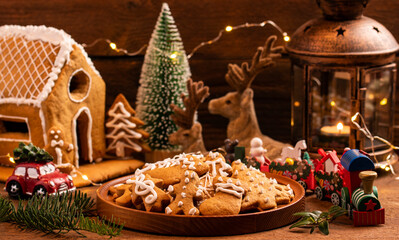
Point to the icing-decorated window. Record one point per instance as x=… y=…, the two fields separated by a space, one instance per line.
x=79 y=85
x=14 y=129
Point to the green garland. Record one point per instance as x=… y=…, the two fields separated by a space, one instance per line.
x=281 y=168
x=57 y=214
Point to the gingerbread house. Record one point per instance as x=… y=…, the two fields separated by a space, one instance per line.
x=47 y=81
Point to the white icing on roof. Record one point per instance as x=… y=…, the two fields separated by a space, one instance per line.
x=31 y=59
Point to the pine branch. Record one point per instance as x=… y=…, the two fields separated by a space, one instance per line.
x=6 y=208
x=319 y=219
x=57 y=214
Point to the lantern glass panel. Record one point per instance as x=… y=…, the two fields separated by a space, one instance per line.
x=298 y=103
x=377 y=105
x=330 y=92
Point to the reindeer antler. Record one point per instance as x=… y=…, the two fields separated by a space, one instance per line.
x=240 y=78
x=197 y=92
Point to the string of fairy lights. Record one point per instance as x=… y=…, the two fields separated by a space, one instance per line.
x=173 y=55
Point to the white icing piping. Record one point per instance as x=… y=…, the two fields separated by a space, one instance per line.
x=126 y=126
x=224 y=167
x=144 y=187
x=43 y=123
x=236 y=191
x=75 y=139
x=69 y=84
x=25 y=119
x=49 y=35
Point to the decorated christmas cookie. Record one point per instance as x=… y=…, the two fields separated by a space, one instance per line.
x=186 y=193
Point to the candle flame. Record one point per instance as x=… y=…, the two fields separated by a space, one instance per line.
x=340 y=126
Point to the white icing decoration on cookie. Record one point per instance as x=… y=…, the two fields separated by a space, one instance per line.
x=256 y=185
x=198 y=193
x=248 y=173
x=180 y=204
x=251 y=179
x=193 y=175
x=213 y=155
x=184 y=187
x=186 y=173
x=220 y=179
x=186 y=180
x=261 y=183
x=238 y=183
x=144 y=187
x=183 y=194
x=236 y=173
x=270 y=188
x=261 y=191
x=267 y=199
x=222 y=170
x=192 y=211
x=170 y=188
x=229 y=180
x=230 y=188
x=121 y=139
x=168 y=210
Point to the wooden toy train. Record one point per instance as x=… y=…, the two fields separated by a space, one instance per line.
x=346 y=182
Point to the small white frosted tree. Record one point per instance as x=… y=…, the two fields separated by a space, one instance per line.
x=124 y=135
x=163 y=78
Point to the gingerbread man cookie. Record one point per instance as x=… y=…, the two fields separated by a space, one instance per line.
x=57 y=147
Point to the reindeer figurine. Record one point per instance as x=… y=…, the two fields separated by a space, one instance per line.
x=189 y=135
x=238 y=106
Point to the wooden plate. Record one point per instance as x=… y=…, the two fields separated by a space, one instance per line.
x=202 y=225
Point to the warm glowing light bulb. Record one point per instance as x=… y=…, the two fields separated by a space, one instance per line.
x=287 y=38
x=340 y=126
x=173 y=55
x=85 y=177
x=112 y=45
x=387 y=168
x=229 y=28
x=384 y=101
x=332 y=103
x=297 y=104
x=11 y=159
x=354 y=117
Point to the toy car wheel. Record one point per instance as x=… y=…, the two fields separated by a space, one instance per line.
x=14 y=189
x=40 y=190
x=319 y=193
x=335 y=199
x=303 y=184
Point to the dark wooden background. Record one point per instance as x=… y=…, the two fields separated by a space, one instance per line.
x=129 y=23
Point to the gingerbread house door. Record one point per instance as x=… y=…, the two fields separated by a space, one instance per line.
x=81 y=127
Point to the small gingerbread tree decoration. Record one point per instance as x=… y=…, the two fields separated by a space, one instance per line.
x=124 y=135
x=189 y=135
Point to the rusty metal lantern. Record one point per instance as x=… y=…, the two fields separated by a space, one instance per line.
x=343 y=63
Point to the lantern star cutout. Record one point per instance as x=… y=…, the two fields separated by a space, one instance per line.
x=370 y=205
x=340 y=31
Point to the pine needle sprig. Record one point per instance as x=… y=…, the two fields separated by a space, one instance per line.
x=6 y=208
x=318 y=219
x=60 y=213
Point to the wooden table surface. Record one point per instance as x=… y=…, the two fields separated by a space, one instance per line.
x=342 y=228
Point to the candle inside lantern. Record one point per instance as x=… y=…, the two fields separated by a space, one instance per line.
x=340 y=126
x=336 y=130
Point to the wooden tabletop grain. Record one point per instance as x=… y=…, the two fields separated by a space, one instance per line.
x=342 y=228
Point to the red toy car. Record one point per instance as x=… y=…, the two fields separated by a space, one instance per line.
x=38 y=178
